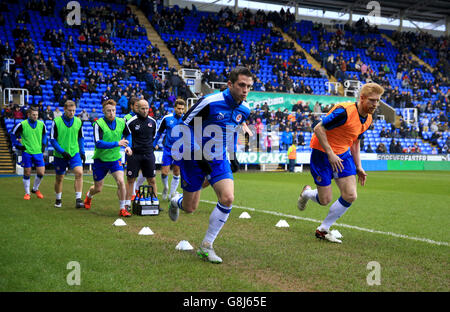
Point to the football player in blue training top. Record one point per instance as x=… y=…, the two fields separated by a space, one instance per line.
x=166 y=125
x=216 y=117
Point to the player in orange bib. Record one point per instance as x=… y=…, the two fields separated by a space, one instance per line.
x=336 y=155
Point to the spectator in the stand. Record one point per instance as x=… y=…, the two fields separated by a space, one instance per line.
x=398 y=148
x=369 y=149
x=268 y=143
x=48 y=114
x=384 y=133
x=93 y=115
x=392 y=148
x=84 y=116
x=175 y=83
x=317 y=108
x=442 y=117
x=434 y=127
x=415 y=149
x=17 y=112
x=7 y=112
x=286 y=139
x=381 y=148
x=57 y=113
x=259 y=127
x=436 y=137
x=300 y=139
x=92 y=87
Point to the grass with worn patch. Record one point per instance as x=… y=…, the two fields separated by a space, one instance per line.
x=39 y=240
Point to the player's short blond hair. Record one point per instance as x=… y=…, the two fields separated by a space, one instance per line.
x=371 y=88
x=109 y=102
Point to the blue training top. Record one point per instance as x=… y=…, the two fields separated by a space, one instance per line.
x=168 y=122
x=218 y=109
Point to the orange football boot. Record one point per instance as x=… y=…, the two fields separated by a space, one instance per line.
x=87 y=202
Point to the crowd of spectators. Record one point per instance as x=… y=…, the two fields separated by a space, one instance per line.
x=231 y=51
x=38 y=70
x=426 y=46
x=216 y=46
x=117 y=24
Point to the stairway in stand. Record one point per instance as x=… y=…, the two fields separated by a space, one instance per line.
x=6 y=159
x=310 y=59
x=154 y=37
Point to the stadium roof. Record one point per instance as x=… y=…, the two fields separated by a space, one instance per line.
x=431 y=11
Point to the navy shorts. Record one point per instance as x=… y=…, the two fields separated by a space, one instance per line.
x=29 y=159
x=101 y=168
x=143 y=162
x=61 y=164
x=322 y=171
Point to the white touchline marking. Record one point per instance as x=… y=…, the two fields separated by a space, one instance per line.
x=420 y=239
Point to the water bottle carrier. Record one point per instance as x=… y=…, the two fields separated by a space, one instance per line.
x=143 y=203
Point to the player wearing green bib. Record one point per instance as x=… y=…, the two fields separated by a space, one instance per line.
x=68 y=141
x=31 y=140
x=108 y=137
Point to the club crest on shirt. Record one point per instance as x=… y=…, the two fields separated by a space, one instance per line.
x=137 y=127
x=239 y=117
x=220 y=116
x=150 y=125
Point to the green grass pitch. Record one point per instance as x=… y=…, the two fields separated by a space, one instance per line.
x=400 y=220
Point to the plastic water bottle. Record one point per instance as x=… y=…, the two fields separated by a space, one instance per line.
x=155 y=200
x=141 y=199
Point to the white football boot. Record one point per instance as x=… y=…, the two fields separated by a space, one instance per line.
x=301 y=202
x=327 y=236
x=174 y=211
x=206 y=251
x=165 y=194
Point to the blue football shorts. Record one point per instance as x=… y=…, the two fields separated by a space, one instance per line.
x=101 y=168
x=61 y=164
x=167 y=159
x=192 y=177
x=322 y=171
x=29 y=159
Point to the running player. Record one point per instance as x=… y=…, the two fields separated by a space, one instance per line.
x=68 y=141
x=167 y=124
x=336 y=155
x=220 y=112
x=31 y=136
x=108 y=137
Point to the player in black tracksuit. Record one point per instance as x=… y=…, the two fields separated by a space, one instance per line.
x=143 y=130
